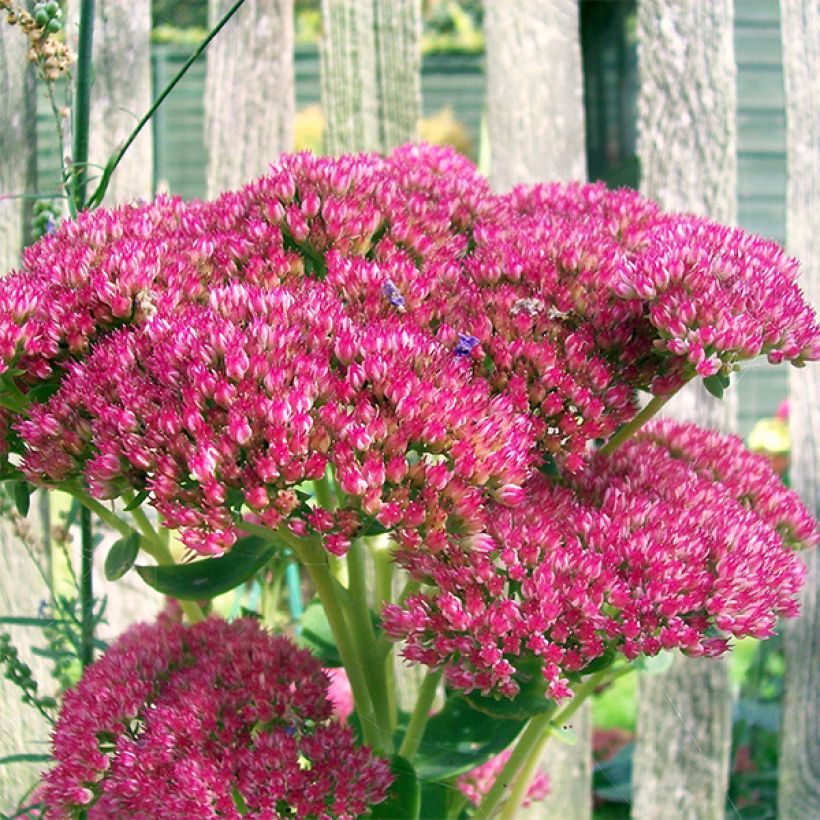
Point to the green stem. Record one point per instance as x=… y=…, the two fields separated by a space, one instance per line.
x=324 y=494
x=100 y=510
x=628 y=430
x=383 y=570
x=82 y=102
x=147 y=529
x=410 y=588
x=155 y=546
x=527 y=753
x=313 y=558
x=99 y=193
x=86 y=589
x=421 y=714
x=457 y=804
x=362 y=632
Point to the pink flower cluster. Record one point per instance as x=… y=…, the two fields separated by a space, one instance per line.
x=212 y=720
x=478 y=782
x=239 y=402
x=390 y=323
x=566 y=297
x=678 y=540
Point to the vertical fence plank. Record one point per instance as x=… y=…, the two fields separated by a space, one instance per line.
x=21 y=589
x=799 y=787
x=534 y=92
x=687 y=148
x=370 y=65
x=398 y=38
x=536 y=128
x=249 y=96
x=121 y=94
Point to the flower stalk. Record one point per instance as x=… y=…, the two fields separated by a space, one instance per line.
x=82 y=103
x=314 y=559
x=86 y=588
x=421 y=714
x=628 y=430
x=516 y=775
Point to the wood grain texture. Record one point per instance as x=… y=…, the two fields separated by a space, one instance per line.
x=687 y=139
x=22 y=730
x=687 y=144
x=534 y=92
x=370 y=58
x=249 y=93
x=398 y=36
x=120 y=95
x=799 y=787
x=17 y=143
x=21 y=589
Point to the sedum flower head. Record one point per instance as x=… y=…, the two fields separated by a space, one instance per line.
x=224 y=410
x=681 y=539
x=212 y=720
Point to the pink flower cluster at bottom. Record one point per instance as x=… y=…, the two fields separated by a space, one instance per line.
x=476 y=783
x=215 y=720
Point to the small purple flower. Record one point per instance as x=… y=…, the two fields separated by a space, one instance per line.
x=51 y=224
x=393 y=295
x=465 y=345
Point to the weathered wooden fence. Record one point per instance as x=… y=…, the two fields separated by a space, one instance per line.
x=189 y=140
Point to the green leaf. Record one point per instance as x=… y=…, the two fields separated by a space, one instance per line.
x=655 y=664
x=136 y=501
x=375 y=528
x=404 y=798
x=612 y=779
x=317 y=636
x=53 y=654
x=459 y=738
x=121 y=556
x=438 y=799
x=25 y=758
x=530 y=700
x=44 y=391
x=22 y=497
x=211 y=576
x=600 y=663
x=716 y=384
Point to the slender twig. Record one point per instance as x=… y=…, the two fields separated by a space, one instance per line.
x=82 y=102
x=86 y=588
x=99 y=193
